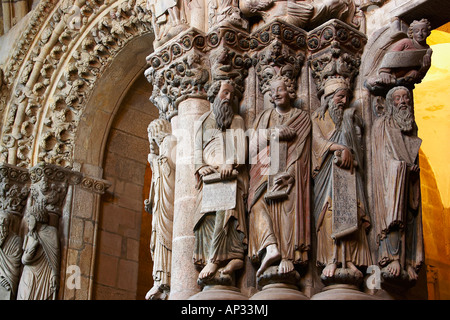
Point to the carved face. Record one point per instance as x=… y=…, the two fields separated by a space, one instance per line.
x=280 y=95
x=31 y=222
x=340 y=98
x=402 y=112
x=420 y=33
x=401 y=99
x=226 y=92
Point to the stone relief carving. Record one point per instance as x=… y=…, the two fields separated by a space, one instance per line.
x=168 y=19
x=397 y=191
x=187 y=66
x=220 y=226
x=303 y=14
x=404 y=62
x=160 y=205
x=10 y=258
x=337 y=132
x=279 y=228
x=41 y=257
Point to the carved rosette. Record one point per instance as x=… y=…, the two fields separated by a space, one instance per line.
x=335 y=51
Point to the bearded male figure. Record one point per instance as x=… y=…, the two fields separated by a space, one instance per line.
x=279 y=228
x=10 y=258
x=397 y=186
x=337 y=131
x=220 y=150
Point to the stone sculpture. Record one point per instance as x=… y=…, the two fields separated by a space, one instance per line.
x=168 y=19
x=406 y=62
x=222 y=182
x=160 y=205
x=397 y=200
x=337 y=158
x=10 y=258
x=41 y=258
x=300 y=13
x=279 y=226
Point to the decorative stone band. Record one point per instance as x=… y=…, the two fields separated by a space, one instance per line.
x=56 y=173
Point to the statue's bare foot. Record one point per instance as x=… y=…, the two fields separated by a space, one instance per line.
x=351 y=266
x=329 y=270
x=394 y=268
x=208 y=271
x=412 y=273
x=285 y=266
x=272 y=255
x=153 y=294
x=234 y=264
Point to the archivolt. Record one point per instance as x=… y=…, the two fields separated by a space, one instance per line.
x=57 y=62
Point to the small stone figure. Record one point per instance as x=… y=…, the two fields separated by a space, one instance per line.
x=40 y=259
x=220 y=152
x=336 y=147
x=160 y=205
x=397 y=187
x=10 y=258
x=168 y=19
x=407 y=61
x=279 y=228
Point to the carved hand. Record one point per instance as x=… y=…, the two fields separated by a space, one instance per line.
x=386 y=78
x=4 y=283
x=226 y=170
x=283 y=180
x=204 y=171
x=284 y=133
x=414 y=167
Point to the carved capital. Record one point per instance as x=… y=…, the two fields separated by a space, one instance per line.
x=280 y=50
x=13 y=188
x=335 y=51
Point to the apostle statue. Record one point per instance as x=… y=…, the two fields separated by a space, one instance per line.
x=41 y=257
x=340 y=209
x=279 y=196
x=397 y=186
x=220 y=152
x=160 y=204
x=10 y=258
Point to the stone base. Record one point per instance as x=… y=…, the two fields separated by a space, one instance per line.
x=343 y=292
x=279 y=291
x=218 y=292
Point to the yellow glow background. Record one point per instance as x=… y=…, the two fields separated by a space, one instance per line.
x=432 y=113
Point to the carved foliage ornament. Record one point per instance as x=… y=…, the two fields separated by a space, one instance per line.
x=103 y=39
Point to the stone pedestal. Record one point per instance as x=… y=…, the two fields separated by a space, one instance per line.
x=183 y=274
x=343 y=292
x=218 y=292
x=279 y=291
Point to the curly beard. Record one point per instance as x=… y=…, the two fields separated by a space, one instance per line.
x=403 y=118
x=336 y=112
x=223 y=112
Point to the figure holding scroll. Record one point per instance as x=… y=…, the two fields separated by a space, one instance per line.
x=341 y=221
x=220 y=152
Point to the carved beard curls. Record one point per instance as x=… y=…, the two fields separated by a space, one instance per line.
x=404 y=119
x=223 y=112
